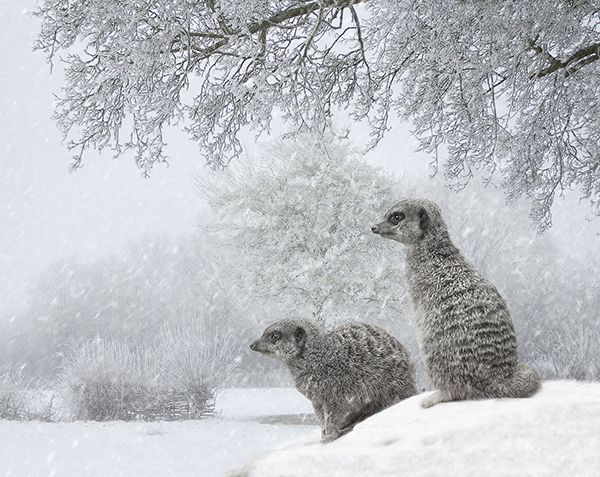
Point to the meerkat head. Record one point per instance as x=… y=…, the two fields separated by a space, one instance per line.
x=283 y=340
x=410 y=221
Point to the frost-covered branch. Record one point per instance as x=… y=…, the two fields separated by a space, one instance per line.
x=573 y=63
x=131 y=67
x=507 y=89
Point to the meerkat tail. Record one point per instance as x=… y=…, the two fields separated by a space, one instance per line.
x=524 y=383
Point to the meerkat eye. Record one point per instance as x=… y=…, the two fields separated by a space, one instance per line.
x=275 y=336
x=397 y=217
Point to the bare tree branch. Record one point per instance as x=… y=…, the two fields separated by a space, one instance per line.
x=572 y=64
x=488 y=89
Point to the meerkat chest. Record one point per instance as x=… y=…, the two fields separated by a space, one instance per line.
x=434 y=282
x=428 y=305
x=422 y=290
x=309 y=385
x=315 y=381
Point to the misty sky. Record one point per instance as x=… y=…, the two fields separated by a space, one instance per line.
x=48 y=212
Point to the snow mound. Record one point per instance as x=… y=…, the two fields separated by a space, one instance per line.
x=554 y=433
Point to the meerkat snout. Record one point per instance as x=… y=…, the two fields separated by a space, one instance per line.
x=259 y=346
x=375 y=229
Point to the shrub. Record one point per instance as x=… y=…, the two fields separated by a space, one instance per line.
x=195 y=354
x=13 y=403
x=17 y=397
x=107 y=380
x=571 y=352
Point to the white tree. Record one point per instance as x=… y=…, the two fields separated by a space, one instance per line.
x=507 y=87
x=298 y=220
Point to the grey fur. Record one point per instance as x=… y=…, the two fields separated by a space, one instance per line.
x=466 y=336
x=348 y=373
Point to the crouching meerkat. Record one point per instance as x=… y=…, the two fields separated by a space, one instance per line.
x=349 y=373
x=466 y=336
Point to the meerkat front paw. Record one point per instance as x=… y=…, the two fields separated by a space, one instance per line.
x=436 y=398
x=330 y=436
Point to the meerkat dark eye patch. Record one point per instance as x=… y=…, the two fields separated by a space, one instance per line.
x=396 y=217
x=275 y=336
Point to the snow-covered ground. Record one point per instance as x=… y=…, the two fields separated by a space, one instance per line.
x=250 y=423
x=555 y=433
x=267 y=433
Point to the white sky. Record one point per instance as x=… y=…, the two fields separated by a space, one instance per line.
x=48 y=212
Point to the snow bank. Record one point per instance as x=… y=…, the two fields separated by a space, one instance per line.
x=555 y=433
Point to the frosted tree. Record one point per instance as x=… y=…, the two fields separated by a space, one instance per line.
x=197 y=353
x=510 y=88
x=298 y=221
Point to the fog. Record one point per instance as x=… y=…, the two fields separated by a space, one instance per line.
x=48 y=211
x=125 y=297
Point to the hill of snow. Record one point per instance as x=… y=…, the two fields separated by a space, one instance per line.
x=555 y=433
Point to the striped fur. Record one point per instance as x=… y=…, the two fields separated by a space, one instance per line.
x=348 y=373
x=466 y=336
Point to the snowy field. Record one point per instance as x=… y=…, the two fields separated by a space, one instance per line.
x=250 y=423
x=555 y=433
x=270 y=433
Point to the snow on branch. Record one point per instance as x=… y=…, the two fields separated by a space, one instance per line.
x=507 y=88
x=576 y=61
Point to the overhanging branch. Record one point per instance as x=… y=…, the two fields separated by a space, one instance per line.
x=275 y=20
x=573 y=63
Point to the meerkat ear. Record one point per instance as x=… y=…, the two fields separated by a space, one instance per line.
x=424 y=220
x=300 y=337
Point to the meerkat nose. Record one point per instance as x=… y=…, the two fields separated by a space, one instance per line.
x=253 y=346
x=375 y=229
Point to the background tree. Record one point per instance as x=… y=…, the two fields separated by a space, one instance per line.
x=143 y=296
x=295 y=225
x=298 y=222
x=510 y=88
x=126 y=297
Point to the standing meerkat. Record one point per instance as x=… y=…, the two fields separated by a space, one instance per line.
x=465 y=332
x=348 y=373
